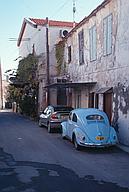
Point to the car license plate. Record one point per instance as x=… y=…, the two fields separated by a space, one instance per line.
x=100 y=138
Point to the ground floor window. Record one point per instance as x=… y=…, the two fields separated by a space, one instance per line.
x=78 y=99
x=93 y=100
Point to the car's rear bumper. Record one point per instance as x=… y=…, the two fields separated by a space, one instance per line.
x=55 y=125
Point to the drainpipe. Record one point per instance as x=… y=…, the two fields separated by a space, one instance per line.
x=47 y=58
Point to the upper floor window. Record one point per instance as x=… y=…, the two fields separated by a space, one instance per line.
x=81 y=47
x=93 y=43
x=69 y=54
x=107 y=32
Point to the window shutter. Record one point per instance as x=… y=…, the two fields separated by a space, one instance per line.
x=105 y=36
x=81 y=47
x=109 y=44
x=107 y=33
x=94 y=43
x=90 y=43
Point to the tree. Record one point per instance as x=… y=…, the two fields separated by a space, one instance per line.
x=24 y=89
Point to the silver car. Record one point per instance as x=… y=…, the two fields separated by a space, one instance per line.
x=53 y=116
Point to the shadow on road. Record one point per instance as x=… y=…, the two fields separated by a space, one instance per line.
x=23 y=176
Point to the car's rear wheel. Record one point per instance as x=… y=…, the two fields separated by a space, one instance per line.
x=76 y=145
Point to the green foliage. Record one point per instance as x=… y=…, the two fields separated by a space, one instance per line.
x=59 y=56
x=27 y=69
x=27 y=93
x=13 y=94
x=27 y=106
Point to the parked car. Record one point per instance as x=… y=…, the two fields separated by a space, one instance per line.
x=89 y=128
x=52 y=117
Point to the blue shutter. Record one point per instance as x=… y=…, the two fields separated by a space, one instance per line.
x=94 y=43
x=109 y=44
x=107 y=33
x=90 y=43
x=105 y=36
x=79 y=40
x=81 y=47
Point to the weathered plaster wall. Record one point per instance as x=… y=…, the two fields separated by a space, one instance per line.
x=102 y=69
x=121 y=90
x=111 y=70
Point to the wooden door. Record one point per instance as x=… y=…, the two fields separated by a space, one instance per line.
x=108 y=105
x=61 y=96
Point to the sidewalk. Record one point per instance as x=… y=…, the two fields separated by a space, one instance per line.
x=6 y=110
x=123 y=147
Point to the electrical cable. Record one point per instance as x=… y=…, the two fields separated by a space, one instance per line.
x=60 y=8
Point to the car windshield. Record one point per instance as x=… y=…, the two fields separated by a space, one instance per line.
x=95 y=118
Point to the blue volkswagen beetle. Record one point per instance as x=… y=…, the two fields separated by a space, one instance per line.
x=89 y=127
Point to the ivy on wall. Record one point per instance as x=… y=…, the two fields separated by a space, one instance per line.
x=59 y=56
x=27 y=69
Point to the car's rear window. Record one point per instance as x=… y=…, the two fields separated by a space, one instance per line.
x=95 y=118
x=63 y=109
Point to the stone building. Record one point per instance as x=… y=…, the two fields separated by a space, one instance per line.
x=96 y=58
x=1 y=89
x=38 y=36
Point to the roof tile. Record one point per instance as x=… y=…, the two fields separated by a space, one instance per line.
x=52 y=22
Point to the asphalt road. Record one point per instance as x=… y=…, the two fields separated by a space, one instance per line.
x=32 y=160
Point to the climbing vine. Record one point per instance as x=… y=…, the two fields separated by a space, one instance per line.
x=59 y=56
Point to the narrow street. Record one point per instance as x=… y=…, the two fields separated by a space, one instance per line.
x=32 y=160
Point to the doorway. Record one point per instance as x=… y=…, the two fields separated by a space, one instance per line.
x=107 y=107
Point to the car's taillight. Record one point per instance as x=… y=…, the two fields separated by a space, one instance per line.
x=54 y=116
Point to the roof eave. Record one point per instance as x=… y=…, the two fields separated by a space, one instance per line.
x=93 y=13
x=25 y=21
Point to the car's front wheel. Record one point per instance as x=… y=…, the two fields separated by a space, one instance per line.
x=76 y=145
x=40 y=124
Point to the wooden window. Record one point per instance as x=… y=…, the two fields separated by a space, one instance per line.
x=78 y=100
x=96 y=101
x=91 y=100
x=107 y=32
x=81 y=47
x=93 y=43
x=69 y=54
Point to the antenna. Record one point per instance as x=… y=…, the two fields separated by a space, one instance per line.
x=74 y=11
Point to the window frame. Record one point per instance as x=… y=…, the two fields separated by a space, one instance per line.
x=107 y=34
x=81 y=47
x=69 y=54
x=93 y=43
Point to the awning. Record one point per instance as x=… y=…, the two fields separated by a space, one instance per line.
x=103 y=90
x=71 y=85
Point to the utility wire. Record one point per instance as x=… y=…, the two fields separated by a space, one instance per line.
x=60 y=8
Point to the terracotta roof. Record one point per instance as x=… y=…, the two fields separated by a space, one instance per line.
x=52 y=22
x=35 y=22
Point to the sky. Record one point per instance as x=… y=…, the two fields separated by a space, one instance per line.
x=14 y=11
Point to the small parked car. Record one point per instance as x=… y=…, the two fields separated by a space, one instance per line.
x=89 y=127
x=52 y=117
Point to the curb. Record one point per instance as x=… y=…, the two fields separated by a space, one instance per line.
x=123 y=147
